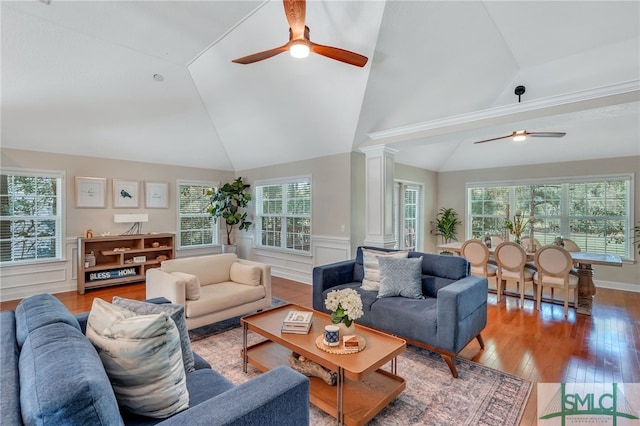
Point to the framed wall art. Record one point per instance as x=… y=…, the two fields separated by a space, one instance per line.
x=156 y=195
x=125 y=193
x=91 y=192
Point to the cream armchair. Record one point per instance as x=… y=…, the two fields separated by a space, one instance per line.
x=212 y=288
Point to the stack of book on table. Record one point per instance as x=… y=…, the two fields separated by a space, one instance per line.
x=350 y=343
x=297 y=322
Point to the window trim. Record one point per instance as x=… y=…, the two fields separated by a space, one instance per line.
x=630 y=177
x=258 y=232
x=62 y=218
x=215 y=225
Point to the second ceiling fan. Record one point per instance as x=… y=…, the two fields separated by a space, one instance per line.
x=521 y=135
x=299 y=43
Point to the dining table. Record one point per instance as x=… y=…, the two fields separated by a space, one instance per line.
x=583 y=261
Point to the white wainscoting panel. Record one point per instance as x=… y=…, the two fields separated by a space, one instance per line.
x=330 y=249
x=20 y=281
x=295 y=266
x=617 y=286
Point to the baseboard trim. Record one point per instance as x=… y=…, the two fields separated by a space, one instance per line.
x=635 y=288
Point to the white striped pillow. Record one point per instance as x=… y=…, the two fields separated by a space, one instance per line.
x=142 y=357
x=371 y=280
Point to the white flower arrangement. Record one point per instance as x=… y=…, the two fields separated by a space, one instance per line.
x=345 y=304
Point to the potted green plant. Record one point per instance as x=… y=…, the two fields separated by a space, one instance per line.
x=445 y=225
x=229 y=203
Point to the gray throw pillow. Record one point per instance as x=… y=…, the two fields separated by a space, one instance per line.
x=176 y=312
x=401 y=277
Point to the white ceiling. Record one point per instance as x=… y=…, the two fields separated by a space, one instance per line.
x=77 y=78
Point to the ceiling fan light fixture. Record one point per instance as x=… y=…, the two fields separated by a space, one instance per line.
x=299 y=49
x=520 y=136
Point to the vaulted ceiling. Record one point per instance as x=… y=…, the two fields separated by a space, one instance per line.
x=78 y=78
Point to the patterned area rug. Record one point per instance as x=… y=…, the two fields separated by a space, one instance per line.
x=479 y=396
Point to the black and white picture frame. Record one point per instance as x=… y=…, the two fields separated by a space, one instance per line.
x=91 y=192
x=156 y=195
x=125 y=193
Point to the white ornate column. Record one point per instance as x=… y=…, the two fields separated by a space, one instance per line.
x=379 y=177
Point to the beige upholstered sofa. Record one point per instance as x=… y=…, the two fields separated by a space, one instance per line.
x=212 y=288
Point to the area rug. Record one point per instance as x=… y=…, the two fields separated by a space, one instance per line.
x=479 y=396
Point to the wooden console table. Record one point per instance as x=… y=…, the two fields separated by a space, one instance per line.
x=120 y=259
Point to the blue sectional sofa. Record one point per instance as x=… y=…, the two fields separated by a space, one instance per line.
x=50 y=373
x=452 y=313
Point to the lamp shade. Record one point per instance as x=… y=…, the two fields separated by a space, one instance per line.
x=130 y=218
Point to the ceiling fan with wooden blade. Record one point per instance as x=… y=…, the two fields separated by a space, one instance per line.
x=521 y=135
x=299 y=43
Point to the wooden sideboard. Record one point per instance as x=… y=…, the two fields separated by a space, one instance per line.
x=122 y=259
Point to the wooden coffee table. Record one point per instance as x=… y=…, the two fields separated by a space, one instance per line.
x=363 y=388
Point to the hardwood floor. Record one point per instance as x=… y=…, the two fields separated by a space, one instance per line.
x=538 y=346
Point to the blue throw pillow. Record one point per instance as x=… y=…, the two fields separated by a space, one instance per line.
x=401 y=277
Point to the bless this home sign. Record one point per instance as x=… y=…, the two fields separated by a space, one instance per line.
x=111 y=273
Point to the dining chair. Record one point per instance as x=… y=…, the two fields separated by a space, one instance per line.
x=496 y=239
x=554 y=265
x=570 y=245
x=525 y=243
x=477 y=253
x=512 y=262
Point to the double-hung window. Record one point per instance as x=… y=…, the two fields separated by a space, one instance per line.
x=283 y=214
x=30 y=216
x=196 y=227
x=594 y=211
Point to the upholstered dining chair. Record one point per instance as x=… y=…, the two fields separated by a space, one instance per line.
x=477 y=253
x=512 y=261
x=496 y=239
x=554 y=265
x=525 y=243
x=570 y=245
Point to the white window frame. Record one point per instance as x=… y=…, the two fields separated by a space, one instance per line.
x=214 y=225
x=399 y=188
x=59 y=217
x=284 y=216
x=564 y=217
